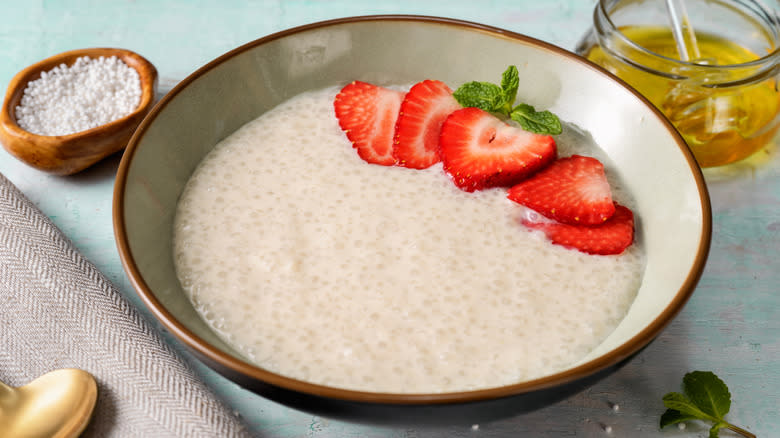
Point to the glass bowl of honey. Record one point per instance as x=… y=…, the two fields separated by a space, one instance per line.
x=713 y=72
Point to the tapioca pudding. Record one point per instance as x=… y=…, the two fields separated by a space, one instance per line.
x=319 y=266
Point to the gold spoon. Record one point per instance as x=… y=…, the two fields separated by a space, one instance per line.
x=57 y=404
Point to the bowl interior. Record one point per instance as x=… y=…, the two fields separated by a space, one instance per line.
x=673 y=216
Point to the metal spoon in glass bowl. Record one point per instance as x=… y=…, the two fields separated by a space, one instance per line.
x=58 y=404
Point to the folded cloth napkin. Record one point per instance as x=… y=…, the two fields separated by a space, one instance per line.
x=58 y=311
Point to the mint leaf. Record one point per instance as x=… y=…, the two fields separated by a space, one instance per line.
x=510 y=82
x=681 y=403
x=672 y=416
x=483 y=95
x=705 y=398
x=707 y=392
x=540 y=122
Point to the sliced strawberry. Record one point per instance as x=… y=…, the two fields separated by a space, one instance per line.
x=572 y=190
x=479 y=151
x=367 y=114
x=423 y=110
x=611 y=237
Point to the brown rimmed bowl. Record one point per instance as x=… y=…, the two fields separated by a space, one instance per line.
x=72 y=153
x=652 y=160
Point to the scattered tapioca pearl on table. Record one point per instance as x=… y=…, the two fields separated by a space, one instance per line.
x=85 y=95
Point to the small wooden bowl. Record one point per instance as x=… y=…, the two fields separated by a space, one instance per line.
x=68 y=154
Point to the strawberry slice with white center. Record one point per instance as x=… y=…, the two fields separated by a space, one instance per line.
x=479 y=150
x=367 y=113
x=611 y=237
x=423 y=111
x=572 y=190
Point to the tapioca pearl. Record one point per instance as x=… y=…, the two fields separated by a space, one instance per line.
x=90 y=93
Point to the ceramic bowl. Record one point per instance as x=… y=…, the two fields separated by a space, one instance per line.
x=673 y=210
x=69 y=154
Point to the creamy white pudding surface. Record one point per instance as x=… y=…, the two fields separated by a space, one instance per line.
x=319 y=266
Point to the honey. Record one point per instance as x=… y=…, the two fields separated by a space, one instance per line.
x=723 y=115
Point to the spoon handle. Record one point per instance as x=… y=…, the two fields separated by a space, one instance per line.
x=7 y=397
x=684 y=36
x=5 y=389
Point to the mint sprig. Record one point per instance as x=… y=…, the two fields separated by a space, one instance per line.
x=705 y=397
x=500 y=98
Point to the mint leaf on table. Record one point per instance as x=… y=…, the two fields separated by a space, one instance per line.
x=705 y=397
x=500 y=98
x=672 y=416
x=708 y=392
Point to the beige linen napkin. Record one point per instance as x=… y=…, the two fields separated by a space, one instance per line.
x=58 y=311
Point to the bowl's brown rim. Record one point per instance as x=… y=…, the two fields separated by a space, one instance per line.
x=146 y=71
x=611 y=358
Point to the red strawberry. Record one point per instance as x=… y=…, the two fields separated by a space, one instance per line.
x=479 y=150
x=611 y=237
x=423 y=110
x=367 y=114
x=572 y=190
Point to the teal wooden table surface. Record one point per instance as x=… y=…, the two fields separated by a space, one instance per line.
x=730 y=326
